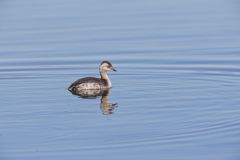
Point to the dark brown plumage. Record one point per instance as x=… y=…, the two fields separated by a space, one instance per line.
x=93 y=83
x=73 y=86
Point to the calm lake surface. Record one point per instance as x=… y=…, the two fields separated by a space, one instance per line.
x=176 y=91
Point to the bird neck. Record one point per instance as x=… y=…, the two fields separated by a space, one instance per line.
x=104 y=76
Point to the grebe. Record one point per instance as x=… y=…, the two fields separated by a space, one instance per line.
x=93 y=83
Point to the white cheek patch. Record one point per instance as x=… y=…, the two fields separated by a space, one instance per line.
x=104 y=67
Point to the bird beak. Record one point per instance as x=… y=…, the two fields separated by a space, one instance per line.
x=114 y=69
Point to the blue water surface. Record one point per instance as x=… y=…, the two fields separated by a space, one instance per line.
x=177 y=85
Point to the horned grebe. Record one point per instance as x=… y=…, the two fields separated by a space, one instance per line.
x=92 y=83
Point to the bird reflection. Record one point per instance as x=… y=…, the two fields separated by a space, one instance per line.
x=106 y=107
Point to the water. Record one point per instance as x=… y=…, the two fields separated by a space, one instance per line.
x=177 y=87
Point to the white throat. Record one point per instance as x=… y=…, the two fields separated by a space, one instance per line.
x=104 y=75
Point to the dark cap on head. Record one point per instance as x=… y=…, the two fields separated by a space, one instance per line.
x=109 y=65
x=106 y=62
